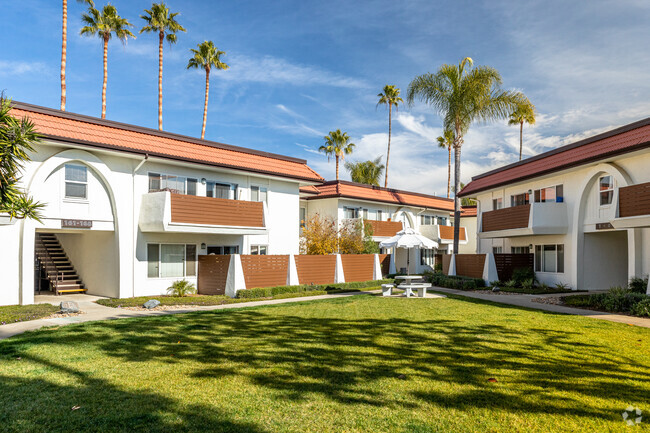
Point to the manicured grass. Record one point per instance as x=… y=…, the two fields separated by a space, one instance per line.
x=357 y=364
x=22 y=313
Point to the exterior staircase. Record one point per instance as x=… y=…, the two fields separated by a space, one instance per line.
x=56 y=265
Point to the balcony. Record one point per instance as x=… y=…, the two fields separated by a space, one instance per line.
x=384 y=229
x=633 y=206
x=169 y=212
x=526 y=220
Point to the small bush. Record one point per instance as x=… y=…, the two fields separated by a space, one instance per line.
x=528 y=284
x=562 y=286
x=638 y=285
x=495 y=283
x=181 y=288
x=520 y=275
x=273 y=292
x=642 y=308
x=511 y=284
x=454 y=281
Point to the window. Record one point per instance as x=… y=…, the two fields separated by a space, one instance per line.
x=606 y=190
x=427 y=220
x=220 y=190
x=258 y=193
x=497 y=203
x=365 y=214
x=549 y=195
x=171 y=260
x=259 y=250
x=427 y=256
x=549 y=258
x=519 y=199
x=303 y=217
x=172 y=183
x=380 y=215
x=442 y=221
x=497 y=250
x=76 y=181
x=520 y=250
x=221 y=250
x=350 y=212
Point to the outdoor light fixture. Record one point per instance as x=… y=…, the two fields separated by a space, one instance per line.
x=203 y=181
x=203 y=246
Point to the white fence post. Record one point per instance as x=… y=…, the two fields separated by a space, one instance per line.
x=490 y=269
x=452 y=265
x=292 y=272
x=235 y=280
x=338 y=275
x=376 y=271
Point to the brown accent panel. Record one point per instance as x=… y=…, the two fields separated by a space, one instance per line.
x=357 y=267
x=507 y=263
x=384 y=228
x=515 y=217
x=213 y=272
x=446 y=261
x=470 y=265
x=447 y=232
x=193 y=209
x=437 y=261
x=634 y=200
x=384 y=262
x=265 y=271
x=316 y=269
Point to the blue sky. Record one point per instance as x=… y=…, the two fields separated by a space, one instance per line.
x=302 y=68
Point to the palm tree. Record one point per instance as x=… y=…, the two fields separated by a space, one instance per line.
x=64 y=47
x=524 y=112
x=367 y=172
x=206 y=57
x=463 y=95
x=446 y=141
x=337 y=144
x=390 y=97
x=104 y=24
x=160 y=20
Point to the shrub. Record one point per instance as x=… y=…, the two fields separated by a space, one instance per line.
x=511 y=284
x=268 y=292
x=181 y=288
x=562 y=286
x=528 y=284
x=638 y=285
x=519 y=275
x=496 y=283
x=642 y=308
x=454 y=281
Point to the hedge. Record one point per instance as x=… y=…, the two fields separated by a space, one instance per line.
x=616 y=300
x=269 y=292
x=454 y=281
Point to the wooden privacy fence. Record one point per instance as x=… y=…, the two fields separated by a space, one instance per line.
x=507 y=263
x=470 y=265
x=213 y=271
x=446 y=260
x=265 y=271
x=316 y=269
x=358 y=267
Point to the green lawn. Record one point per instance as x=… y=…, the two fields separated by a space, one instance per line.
x=358 y=364
x=22 y=313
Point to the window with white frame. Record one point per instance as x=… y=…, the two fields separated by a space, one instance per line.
x=427 y=220
x=380 y=215
x=172 y=183
x=519 y=199
x=76 y=181
x=549 y=194
x=497 y=250
x=606 y=190
x=350 y=212
x=221 y=190
x=427 y=256
x=442 y=221
x=497 y=203
x=259 y=193
x=260 y=250
x=303 y=217
x=364 y=213
x=549 y=258
x=520 y=250
x=171 y=260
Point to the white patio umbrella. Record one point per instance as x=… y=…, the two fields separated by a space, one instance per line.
x=408 y=238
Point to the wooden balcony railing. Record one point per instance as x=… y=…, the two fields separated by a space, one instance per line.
x=515 y=217
x=634 y=200
x=191 y=209
x=384 y=228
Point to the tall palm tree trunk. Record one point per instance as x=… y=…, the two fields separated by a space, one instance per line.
x=64 y=47
x=448 y=170
x=160 y=73
x=457 y=144
x=521 y=138
x=105 y=77
x=205 y=106
x=390 y=109
x=337 y=167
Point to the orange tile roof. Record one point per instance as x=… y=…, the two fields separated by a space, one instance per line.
x=345 y=189
x=467 y=211
x=447 y=233
x=628 y=138
x=93 y=132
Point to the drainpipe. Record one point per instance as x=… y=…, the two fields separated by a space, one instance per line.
x=133 y=221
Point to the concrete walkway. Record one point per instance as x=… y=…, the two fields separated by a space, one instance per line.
x=93 y=311
x=521 y=300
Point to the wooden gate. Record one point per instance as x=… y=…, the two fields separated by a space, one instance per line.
x=212 y=274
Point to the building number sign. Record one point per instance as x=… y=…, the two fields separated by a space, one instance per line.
x=76 y=224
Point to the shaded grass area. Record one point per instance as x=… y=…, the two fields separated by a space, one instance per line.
x=22 y=313
x=358 y=364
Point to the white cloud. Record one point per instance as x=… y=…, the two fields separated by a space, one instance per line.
x=13 y=68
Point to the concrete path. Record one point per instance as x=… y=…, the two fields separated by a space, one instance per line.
x=93 y=311
x=522 y=300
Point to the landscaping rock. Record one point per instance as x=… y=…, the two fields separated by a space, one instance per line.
x=496 y=289
x=68 y=307
x=152 y=303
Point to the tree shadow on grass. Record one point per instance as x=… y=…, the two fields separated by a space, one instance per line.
x=351 y=361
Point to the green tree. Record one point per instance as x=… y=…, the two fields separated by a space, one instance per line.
x=524 y=112
x=368 y=172
x=206 y=57
x=64 y=47
x=159 y=19
x=390 y=97
x=446 y=141
x=337 y=144
x=105 y=24
x=462 y=95
x=17 y=139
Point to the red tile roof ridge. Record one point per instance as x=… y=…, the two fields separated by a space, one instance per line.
x=381 y=188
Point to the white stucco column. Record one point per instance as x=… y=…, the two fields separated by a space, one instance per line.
x=339 y=277
x=634 y=253
x=235 y=279
x=490 y=269
x=452 y=265
x=376 y=271
x=26 y=261
x=292 y=272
